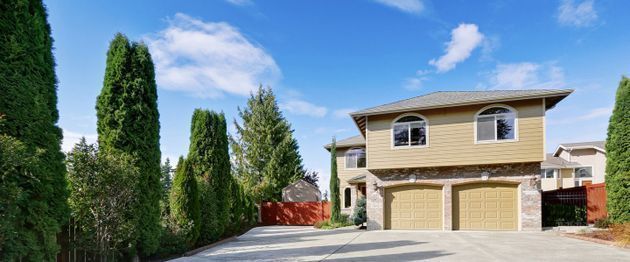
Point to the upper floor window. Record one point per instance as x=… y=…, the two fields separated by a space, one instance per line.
x=496 y=124
x=582 y=172
x=548 y=173
x=409 y=131
x=355 y=158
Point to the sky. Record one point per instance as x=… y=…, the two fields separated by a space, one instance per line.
x=325 y=59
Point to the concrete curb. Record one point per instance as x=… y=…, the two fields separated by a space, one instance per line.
x=595 y=240
x=200 y=249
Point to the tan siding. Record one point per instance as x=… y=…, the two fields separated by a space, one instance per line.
x=451 y=139
x=345 y=175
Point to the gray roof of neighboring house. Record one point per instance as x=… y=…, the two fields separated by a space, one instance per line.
x=457 y=98
x=301 y=181
x=597 y=145
x=348 y=142
x=557 y=162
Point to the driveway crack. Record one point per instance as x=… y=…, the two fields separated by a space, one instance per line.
x=335 y=251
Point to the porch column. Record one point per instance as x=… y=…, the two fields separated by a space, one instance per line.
x=448 y=207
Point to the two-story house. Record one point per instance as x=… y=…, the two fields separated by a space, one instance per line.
x=574 y=164
x=449 y=160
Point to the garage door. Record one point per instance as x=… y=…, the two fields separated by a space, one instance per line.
x=485 y=206
x=413 y=207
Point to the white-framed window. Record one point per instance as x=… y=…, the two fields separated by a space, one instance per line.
x=409 y=130
x=347 y=200
x=495 y=124
x=549 y=173
x=583 y=172
x=355 y=158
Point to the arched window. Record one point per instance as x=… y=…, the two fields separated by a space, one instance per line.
x=409 y=131
x=347 y=202
x=496 y=123
x=355 y=158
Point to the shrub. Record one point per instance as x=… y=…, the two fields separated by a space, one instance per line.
x=320 y=224
x=359 y=215
x=564 y=215
x=602 y=223
x=621 y=233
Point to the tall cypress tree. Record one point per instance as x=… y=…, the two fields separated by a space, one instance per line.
x=618 y=156
x=266 y=155
x=335 y=206
x=128 y=121
x=184 y=202
x=208 y=154
x=28 y=103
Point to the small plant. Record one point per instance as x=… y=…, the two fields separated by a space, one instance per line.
x=602 y=223
x=320 y=224
x=359 y=215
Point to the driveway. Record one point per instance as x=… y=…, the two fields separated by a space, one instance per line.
x=287 y=243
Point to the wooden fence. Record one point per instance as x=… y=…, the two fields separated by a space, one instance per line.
x=294 y=213
x=596 y=202
x=589 y=197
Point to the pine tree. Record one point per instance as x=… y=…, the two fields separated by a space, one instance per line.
x=335 y=208
x=618 y=156
x=265 y=154
x=209 y=156
x=128 y=121
x=28 y=102
x=184 y=202
x=166 y=181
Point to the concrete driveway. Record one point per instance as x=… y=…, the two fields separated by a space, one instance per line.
x=285 y=243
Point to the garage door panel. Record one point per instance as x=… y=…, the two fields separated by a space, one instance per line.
x=485 y=206
x=413 y=207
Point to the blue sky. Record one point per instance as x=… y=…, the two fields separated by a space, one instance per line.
x=326 y=58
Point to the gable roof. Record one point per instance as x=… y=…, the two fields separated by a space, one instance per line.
x=444 y=99
x=557 y=162
x=348 y=142
x=597 y=145
x=301 y=181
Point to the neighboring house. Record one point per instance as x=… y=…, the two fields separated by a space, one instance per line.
x=449 y=160
x=301 y=191
x=574 y=164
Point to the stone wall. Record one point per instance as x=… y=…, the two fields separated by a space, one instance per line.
x=527 y=175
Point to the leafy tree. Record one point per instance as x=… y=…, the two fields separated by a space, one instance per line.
x=335 y=212
x=265 y=154
x=166 y=170
x=128 y=122
x=184 y=202
x=209 y=157
x=28 y=101
x=359 y=215
x=101 y=199
x=311 y=176
x=618 y=156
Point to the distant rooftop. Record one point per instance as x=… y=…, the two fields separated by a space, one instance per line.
x=349 y=142
x=457 y=98
x=597 y=145
x=556 y=162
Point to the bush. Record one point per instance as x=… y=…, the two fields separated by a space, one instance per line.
x=344 y=221
x=564 y=215
x=621 y=233
x=320 y=224
x=359 y=215
x=602 y=223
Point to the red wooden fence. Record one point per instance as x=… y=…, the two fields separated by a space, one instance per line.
x=294 y=213
x=595 y=202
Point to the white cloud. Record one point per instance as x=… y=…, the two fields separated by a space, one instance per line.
x=343 y=113
x=578 y=15
x=525 y=75
x=301 y=107
x=599 y=112
x=208 y=59
x=71 y=138
x=240 y=2
x=408 y=6
x=464 y=39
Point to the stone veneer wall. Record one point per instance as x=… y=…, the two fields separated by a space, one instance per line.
x=527 y=175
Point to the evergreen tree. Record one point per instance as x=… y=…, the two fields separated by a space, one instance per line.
x=312 y=177
x=618 y=156
x=28 y=101
x=335 y=208
x=128 y=121
x=209 y=156
x=184 y=202
x=166 y=181
x=359 y=215
x=265 y=154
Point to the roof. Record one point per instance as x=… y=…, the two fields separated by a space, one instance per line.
x=357 y=179
x=303 y=182
x=597 y=145
x=557 y=162
x=444 y=99
x=348 y=142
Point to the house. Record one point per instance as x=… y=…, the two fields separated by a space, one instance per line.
x=301 y=191
x=574 y=164
x=449 y=160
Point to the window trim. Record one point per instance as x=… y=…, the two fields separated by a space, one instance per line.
x=393 y=124
x=477 y=115
x=345 y=159
x=556 y=173
x=582 y=178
